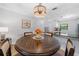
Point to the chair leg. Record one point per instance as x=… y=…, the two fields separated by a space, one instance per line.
x=1 y=53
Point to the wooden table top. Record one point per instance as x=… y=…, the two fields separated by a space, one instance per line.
x=27 y=45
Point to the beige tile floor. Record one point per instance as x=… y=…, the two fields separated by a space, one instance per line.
x=14 y=52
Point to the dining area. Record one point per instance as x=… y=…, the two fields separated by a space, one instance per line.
x=34 y=45
x=49 y=46
x=39 y=29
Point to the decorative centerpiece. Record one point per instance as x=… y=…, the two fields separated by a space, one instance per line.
x=38 y=34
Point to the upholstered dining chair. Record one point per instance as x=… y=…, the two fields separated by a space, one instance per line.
x=5 y=48
x=48 y=33
x=27 y=33
x=69 y=51
x=70 y=48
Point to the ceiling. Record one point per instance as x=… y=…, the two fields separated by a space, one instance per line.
x=63 y=9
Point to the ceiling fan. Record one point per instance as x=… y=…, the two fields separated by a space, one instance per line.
x=55 y=8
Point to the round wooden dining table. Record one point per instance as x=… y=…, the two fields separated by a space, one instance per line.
x=29 y=46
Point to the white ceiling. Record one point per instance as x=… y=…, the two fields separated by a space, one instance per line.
x=27 y=9
x=23 y=8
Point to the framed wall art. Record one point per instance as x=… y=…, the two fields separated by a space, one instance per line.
x=26 y=23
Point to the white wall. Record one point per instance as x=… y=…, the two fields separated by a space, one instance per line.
x=10 y=20
x=13 y=20
x=72 y=27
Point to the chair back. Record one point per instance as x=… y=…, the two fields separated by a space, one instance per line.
x=70 y=49
x=27 y=33
x=10 y=44
x=48 y=33
x=5 y=48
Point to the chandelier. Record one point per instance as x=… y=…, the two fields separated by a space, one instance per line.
x=40 y=10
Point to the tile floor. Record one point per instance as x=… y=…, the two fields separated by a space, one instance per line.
x=63 y=41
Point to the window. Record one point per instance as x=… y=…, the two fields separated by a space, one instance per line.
x=64 y=26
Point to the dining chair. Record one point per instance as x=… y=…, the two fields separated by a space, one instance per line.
x=69 y=51
x=1 y=52
x=48 y=33
x=27 y=33
x=70 y=48
x=5 y=49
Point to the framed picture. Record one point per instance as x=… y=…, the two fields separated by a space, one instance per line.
x=26 y=23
